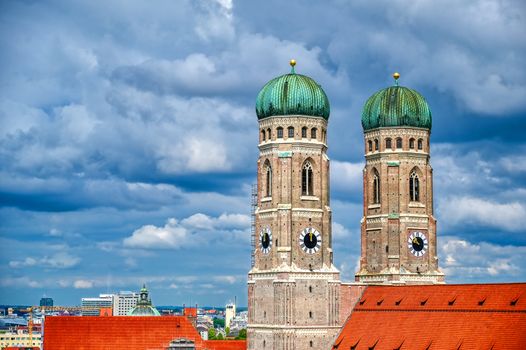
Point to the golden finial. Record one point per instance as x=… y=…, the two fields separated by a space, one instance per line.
x=396 y=75
x=292 y=64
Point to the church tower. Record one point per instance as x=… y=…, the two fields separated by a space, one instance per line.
x=293 y=286
x=398 y=230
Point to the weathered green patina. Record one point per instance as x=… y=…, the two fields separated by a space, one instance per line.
x=292 y=94
x=396 y=106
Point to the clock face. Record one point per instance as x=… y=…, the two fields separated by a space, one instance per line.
x=417 y=243
x=265 y=240
x=310 y=240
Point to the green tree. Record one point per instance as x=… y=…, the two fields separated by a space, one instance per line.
x=219 y=323
x=211 y=333
x=227 y=330
x=242 y=334
x=219 y=337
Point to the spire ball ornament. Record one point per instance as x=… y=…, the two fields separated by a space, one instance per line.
x=292 y=63
x=396 y=75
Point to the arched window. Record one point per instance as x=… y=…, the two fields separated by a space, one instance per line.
x=399 y=142
x=263 y=135
x=412 y=143
x=307 y=179
x=280 y=132
x=304 y=132
x=420 y=144
x=268 y=179
x=376 y=187
x=376 y=144
x=414 y=187
x=370 y=144
x=269 y=134
x=313 y=133
x=290 y=134
x=388 y=143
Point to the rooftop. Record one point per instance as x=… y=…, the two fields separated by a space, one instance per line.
x=470 y=316
x=125 y=332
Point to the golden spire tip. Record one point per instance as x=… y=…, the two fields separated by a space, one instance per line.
x=292 y=63
x=396 y=75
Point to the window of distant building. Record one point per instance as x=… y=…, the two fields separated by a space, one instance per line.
x=280 y=132
x=290 y=132
x=420 y=144
x=304 y=132
x=313 y=133
x=388 y=143
x=399 y=142
x=412 y=143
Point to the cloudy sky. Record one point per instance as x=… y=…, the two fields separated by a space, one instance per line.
x=128 y=135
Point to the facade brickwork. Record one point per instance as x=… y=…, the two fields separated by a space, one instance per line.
x=293 y=292
x=392 y=216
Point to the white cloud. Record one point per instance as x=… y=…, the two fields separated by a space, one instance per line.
x=60 y=260
x=339 y=231
x=463 y=260
x=14 y=282
x=515 y=164
x=170 y=236
x=462 y=210
x=191 y=231
x=82 y=284
x=346 y=176
x=202 y=221
x=226 y=279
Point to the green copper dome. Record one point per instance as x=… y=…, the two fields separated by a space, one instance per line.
x=396 y=106
x=144 y=305
x=292 y=94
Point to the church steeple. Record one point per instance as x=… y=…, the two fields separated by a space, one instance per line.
x=293 y=286
x=398 y=227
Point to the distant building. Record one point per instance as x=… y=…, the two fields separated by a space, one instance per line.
x=46 y=301
x=20 y=339
x=230 y=313
x=123 y=302
x=92 y=306
x=144 y=305
x=105 y=311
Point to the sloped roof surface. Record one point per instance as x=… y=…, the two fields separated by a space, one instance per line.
x=123 y=332
x=484 y=316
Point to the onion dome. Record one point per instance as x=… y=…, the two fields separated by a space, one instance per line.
x=292 y=94
x=396 y=106
x=144 y=305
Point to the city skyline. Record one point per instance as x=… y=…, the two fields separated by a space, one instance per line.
x=128 y=138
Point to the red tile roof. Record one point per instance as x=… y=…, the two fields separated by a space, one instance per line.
x=226 y=344
x=477 y=316
x=190 y=311
x=122 y=332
